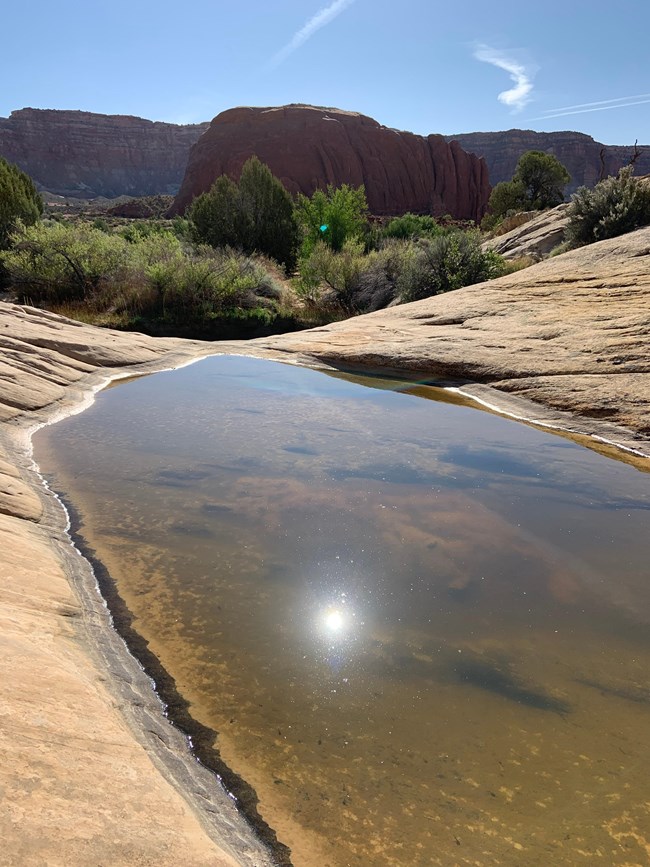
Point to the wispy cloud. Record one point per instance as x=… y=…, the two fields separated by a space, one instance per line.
x=600 y=105
x=516 y=97
x=315 y=23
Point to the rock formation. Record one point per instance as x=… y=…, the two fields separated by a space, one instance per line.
x=534 y=238
x=85 y=155
x=580 y=153
x=309 y=147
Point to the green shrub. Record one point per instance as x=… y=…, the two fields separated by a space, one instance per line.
x=54 y=262
x=334 y=217
x=400 y=270
x=445 y=263
x=543 y=178
x=151 y=276
x=538 y=183
x=613 y=207
x=20 y=201
x=136 y=230
x=339 y=271
x=254 y=215
x=506 y=198
x=413 y=226
x=379 y=282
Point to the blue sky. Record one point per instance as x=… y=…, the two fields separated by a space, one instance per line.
x=420 y=65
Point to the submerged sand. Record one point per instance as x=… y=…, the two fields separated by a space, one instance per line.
x=92 y=771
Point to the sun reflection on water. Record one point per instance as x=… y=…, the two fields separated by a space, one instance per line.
x=334 y=620
x=337 y=621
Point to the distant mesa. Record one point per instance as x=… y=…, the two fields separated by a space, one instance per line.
x=587 y=160
x=309 y=147
x=85 y=155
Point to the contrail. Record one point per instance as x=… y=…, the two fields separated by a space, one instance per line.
x=600 y=102
x=319 y=20
x=519 y=95
x=587 y=110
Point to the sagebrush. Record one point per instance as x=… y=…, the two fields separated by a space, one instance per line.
x=613 y=207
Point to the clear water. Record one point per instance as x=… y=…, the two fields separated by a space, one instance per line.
x=419 y=629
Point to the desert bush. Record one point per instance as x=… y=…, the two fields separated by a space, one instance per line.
x=562 y=247
x=142 y=207
x=399 y=271
x=538 y=183
x=613 y=207
x=333 y=216
x=413 y=226
x=513 y=221
x=338 y=271
x=511 y=266
x=152 y=276
x=379 y=282
x=20 y=201
x=54 y=262
x=445 y=263
x=254 y=215
x=507 y=199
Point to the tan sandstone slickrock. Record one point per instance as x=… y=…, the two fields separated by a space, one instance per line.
x=77 y=787
x=91 y=771
x=535 y=238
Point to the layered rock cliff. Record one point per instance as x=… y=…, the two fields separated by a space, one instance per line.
x=587 y=160
x=309 y=147
x=81 y=154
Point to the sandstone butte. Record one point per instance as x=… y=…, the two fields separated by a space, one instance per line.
x=92 y=772
x=83 y=154
x=309 y=147
x=586 y=159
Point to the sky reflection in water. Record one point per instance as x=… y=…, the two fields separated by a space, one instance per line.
x=412 y=623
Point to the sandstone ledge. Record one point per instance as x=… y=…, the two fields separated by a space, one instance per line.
x=91 y=767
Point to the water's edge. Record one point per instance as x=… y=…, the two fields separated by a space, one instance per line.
x=144 y=692
x=199 y=738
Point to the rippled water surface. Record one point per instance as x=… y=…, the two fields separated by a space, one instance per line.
x=419 y=629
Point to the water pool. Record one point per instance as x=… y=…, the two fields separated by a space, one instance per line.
x=418 y=630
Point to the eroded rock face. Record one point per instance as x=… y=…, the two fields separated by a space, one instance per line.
x=81 y=154
x=580 y=153
x=308 y=147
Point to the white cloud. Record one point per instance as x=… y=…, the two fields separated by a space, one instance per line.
x=516 y=97
x=319 y=20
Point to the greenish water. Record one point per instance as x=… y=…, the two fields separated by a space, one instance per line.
x=419 y=629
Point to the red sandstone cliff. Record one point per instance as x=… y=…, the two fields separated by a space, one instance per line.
x=308 y=147
x=580 y=153
x=78 y=153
